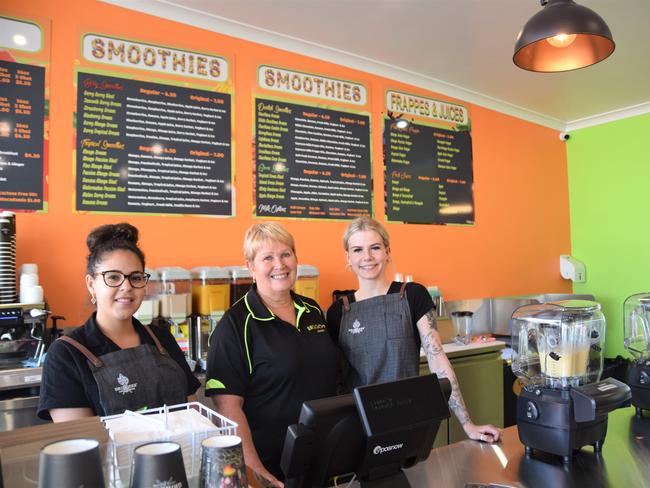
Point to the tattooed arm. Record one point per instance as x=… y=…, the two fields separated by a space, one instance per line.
x=440 y=365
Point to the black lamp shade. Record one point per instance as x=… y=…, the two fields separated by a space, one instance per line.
x=592 y=42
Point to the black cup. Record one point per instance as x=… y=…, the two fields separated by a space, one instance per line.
x=71 y=463
x=158 y=465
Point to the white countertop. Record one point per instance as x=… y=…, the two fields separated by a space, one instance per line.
x=475 y=346
x=453 y=347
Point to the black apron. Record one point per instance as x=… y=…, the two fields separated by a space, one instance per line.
x=137 y=378
x=378 y=340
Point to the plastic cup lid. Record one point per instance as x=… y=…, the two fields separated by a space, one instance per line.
x=210 y=272
x=174 y=273
x=307 y=270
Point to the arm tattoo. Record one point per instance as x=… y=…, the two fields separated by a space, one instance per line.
x=440 y=365
x=456 y=402
x=431 y=317
x=431 y=346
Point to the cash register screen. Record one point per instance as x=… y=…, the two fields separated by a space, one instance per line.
x=373 y=433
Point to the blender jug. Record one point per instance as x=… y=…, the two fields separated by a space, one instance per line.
x=462 y=322
x=636 y=325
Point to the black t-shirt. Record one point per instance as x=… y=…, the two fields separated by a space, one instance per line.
x=274 y=366
x=68 y=381
x=419 y=300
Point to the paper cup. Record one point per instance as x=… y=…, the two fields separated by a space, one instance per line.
x=29 y=268
x=222 y=462
x=28 y=279
x=31 y=294
x=158 y=464
x=70 y=464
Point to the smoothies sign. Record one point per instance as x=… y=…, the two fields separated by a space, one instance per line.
x=119 y=52
x=297 y=83
x=311 y=161
x=428 y=174
x=150 y=147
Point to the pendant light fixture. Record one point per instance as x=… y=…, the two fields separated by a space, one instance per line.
x=564 y=36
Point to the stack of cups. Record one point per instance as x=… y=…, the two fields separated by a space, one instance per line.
x=7 y=257
x=30 y=291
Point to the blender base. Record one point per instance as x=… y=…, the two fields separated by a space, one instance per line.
x=639 y=381
x=545 y=422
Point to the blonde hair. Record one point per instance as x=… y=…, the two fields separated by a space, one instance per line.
x=260 y=233
x=365 y=223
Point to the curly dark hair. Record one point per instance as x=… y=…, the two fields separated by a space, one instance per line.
x=111 y=237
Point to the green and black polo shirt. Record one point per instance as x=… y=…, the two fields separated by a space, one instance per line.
x=273 y=365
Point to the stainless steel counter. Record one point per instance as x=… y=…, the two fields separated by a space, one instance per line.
x=20 y=378
x=624 y=461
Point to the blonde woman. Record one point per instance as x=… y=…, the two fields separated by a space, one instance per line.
x=381 y=326
x=270 y=352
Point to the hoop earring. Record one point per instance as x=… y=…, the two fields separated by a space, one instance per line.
x=93 y=300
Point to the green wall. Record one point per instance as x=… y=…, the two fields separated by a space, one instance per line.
x=609 y=193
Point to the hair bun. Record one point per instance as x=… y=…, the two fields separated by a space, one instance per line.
x=111 y=233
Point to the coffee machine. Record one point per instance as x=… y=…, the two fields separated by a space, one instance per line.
x=636 y=330
x=559 y=349
x=24 y=336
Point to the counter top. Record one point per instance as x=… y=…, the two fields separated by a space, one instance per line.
x=20 y=378
x=454 y=350
x=624 y=461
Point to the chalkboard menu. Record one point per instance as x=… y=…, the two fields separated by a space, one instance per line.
x=148 y=147
x=22 y=119
x=311 y=162
x=428 y=175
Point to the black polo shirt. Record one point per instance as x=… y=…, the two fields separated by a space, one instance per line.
x=68 y=381
x=273 y=365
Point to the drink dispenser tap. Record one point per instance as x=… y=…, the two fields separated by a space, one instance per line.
x=210 y=300
x=176 y=306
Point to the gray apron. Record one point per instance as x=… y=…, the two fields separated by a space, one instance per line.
x=136 y=378
x=377 y=339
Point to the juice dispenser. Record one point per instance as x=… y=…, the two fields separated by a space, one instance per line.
x=150 y=306
x=176 y=305
x=210 y=300
x=636 y=330
x=241 y=281
x=559 y=350
x=307 y=281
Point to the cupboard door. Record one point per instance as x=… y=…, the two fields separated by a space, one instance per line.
x=481 y=382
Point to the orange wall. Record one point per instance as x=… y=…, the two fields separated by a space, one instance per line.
x=520 y=183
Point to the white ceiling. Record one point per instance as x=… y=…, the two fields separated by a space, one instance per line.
x=460 y=48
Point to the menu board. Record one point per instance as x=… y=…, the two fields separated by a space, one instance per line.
x=22 y=115
x=428 y=175
x=152 y=148
x=311 y=162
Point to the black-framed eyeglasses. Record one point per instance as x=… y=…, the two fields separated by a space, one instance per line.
x=114 y=278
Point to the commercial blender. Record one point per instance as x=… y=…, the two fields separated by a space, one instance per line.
x=559 y=350
x=636 y=330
